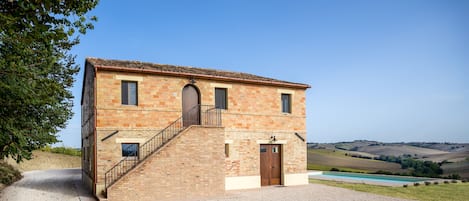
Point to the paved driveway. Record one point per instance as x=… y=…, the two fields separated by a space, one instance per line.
x=45 y=185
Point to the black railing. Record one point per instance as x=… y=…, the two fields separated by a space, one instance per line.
x=198 y=115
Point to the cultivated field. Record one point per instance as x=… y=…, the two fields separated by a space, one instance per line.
x=399 y=150
x=325 y=159
x=461 y=168
x=450 y=157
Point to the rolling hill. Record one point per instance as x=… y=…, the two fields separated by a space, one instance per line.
x=326 y=159
x=399 y=150
x=357 y=155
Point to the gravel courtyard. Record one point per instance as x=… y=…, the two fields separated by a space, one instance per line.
x=311 y=192
x=65 y=185
x=48 y=185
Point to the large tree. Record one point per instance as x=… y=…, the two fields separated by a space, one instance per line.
x=37 y=70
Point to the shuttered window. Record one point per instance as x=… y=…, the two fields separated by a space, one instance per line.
x=129 y=93
x=221 y=98
x=286 y=103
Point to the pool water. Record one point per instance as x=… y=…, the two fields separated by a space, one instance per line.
x=369 y=177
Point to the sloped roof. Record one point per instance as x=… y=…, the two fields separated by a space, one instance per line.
x=185 y=71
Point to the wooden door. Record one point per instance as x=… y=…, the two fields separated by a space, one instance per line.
x=190 y=106
x=271 y=169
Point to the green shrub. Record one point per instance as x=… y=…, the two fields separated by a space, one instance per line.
x=417 y=167
x=436 y=183
x=446 y=182
x=8 y=174
x=335 y=169
x=62 y=150
x=46 y=148
x=416 y=184
x=427 y=183
x=453 y=176
x=405 y=185
x=383 y=172
x=454 y=181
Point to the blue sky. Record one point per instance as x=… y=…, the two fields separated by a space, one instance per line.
x=390 y=71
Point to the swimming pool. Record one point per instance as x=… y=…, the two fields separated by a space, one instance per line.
x=367 y=178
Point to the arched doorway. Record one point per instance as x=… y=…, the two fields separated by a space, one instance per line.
x=190 y=106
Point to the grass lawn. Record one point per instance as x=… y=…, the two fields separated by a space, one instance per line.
x=432 y=192
x=328 y=168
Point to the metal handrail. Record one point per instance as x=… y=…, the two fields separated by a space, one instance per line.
x=197 y=115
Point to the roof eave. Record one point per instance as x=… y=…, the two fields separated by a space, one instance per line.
x=194 y=75
x=83 y=82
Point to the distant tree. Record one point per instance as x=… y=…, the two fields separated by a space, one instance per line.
x=37 y=70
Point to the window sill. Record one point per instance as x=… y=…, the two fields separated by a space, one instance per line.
x=130 y=158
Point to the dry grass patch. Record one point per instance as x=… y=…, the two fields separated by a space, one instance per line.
x=460 y=168
x=45 y=160
x=399 y=150
x=8 y=174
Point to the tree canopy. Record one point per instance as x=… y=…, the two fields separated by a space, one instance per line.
x=37 y=70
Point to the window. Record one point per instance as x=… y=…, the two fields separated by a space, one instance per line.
x=286 y=103
x=275 y=149
x=129 y=93
x=227 y=150
x=129 y=149
x=220 y=98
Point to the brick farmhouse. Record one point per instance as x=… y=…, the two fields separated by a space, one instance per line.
x=165 y=132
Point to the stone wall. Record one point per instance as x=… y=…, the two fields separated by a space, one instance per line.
x=188 y=167
x=244 y=157
x=88 y=126
x=160 y=103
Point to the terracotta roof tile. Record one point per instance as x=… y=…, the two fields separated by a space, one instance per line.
x=188 y=71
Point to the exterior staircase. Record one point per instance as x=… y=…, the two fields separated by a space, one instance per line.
x=198 y=115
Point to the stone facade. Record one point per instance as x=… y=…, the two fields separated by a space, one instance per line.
x=253 y=116
x=88 y=120
x=187 y=168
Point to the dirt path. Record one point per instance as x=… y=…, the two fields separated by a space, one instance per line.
x=45 y=185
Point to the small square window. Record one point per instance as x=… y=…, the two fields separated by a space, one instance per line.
x=129 y=93
x=274 y=149
x=129 y=149
x=286 y=103
x=221 y=101
x=263 y=149
x=227 y=150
